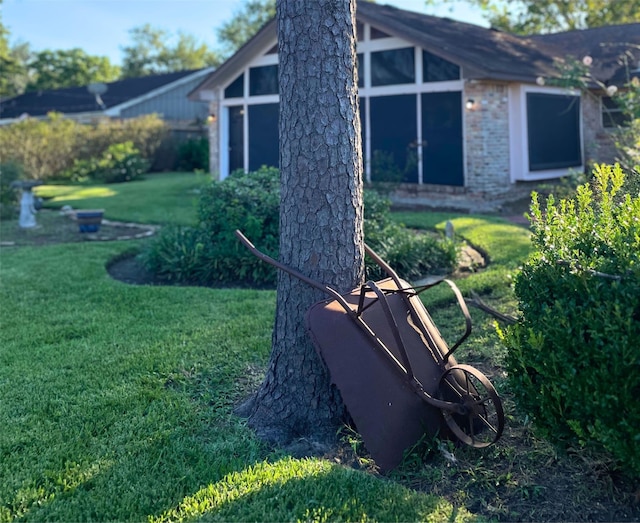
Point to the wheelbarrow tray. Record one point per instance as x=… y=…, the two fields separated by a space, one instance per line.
x=367 y=366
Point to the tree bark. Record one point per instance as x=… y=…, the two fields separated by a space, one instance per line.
x=321 y=210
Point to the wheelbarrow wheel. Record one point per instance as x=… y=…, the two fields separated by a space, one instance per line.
x=481 y=421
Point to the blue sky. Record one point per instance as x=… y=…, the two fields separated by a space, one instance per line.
x=101 y=27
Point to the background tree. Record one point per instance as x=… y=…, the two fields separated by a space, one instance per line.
x=321 y=211
x=547 y=16
x=150 y=53
x=69 y=68
x=245 y=22
x=13 y=59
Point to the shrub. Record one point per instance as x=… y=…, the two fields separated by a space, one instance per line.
x=9 y=196
x=121 y=162
x=573 y=357
x=250 y=202
x=43 y=147
x=410 y=254
x=48 y=149
x=193 y=154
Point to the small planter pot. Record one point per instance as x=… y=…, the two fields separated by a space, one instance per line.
x=90 y=220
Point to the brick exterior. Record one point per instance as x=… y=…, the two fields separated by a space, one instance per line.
x=598 y=141
x=487 y=138
x=214 y=133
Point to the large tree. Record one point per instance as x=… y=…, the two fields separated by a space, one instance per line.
x=546 y=16
x=69 y=68
x=151 y=52
x=245 y=22
x=13 y=60
x=321 y=210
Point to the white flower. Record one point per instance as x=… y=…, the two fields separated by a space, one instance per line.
x=540 y=80
x=611 y=90
x=587 y=60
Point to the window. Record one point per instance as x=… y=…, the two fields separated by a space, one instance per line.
x=436 y=69
x=612 y=115
x=396 y=66
x=377 y=34
x=263 y=80
x=553 y=125
x=360 y=63
x=236 y=88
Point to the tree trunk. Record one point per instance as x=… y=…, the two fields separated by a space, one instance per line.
x=321 y=231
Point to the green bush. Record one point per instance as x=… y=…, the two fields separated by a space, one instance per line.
x=43 y=147
x=48 y=149
x=249 y=202
x=121 y=162
x=410 y=254
x=573 y=357
x=9 y=196
x=193 y=154
x=211 y=253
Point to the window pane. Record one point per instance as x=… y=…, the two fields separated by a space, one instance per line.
x=263 y=80
x=377 y=33
x=360 y=31
x=236 y=88
x=393 y=127
x=436 y=69
x=612 y=115
x=553 y=123
x=236 y=138
x=396 y=66
x=360 y=61
x=264 y=143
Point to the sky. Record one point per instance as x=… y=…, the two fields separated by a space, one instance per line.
x=101 y=27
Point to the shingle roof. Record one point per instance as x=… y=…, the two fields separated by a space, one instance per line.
x=483 y=53
x=607 y=46
x=79 y=100
x=491 y=54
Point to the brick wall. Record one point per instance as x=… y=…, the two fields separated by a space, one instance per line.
x=487 y=138
x=214 y=153
x=598 y=141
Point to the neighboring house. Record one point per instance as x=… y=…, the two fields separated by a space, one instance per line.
x=162 y=94
x=459 y=111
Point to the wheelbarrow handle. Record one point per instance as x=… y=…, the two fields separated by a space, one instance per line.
x=267 y=259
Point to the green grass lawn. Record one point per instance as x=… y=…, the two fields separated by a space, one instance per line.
x=116 y=401
x=159 y=199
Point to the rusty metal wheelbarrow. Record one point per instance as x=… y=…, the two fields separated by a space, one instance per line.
x=396 y=374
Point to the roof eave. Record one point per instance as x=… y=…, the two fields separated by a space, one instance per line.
x=231 y=67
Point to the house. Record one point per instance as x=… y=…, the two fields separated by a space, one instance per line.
x=463 y=114
x=162 y=94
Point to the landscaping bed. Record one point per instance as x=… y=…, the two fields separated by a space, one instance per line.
x=61 y=227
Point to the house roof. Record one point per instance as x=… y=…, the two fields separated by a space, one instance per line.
x=608 y=46
x=483 y=53
x=73 y=100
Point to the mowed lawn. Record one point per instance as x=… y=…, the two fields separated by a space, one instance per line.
x=116 y=401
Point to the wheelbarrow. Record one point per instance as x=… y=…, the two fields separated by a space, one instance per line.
x=396 y=374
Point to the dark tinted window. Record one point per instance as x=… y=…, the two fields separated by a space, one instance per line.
x=436 y=69
x=553 y=124
x=236 y=88
x=360 y=60
x=263 y=80
x=612 y=115
x=377 y=33
x=264 y=143
x=236 y=138
x=396 y=66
